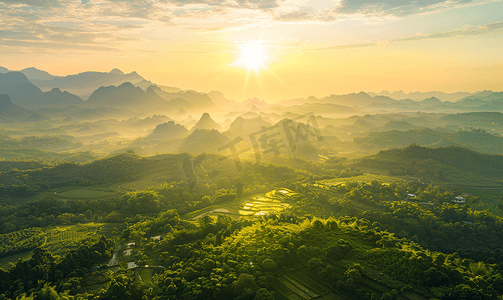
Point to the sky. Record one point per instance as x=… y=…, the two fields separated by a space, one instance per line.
x=308 y=47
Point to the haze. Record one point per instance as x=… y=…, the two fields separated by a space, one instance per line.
x=315 y=47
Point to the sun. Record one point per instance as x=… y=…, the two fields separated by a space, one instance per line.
x=252 y=56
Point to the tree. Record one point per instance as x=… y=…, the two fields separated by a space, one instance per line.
x=268 y=264
x=245 y=281
x=353 y=275
x=239 y=188
x=264 y=294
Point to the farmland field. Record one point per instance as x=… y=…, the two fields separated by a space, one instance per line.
x=133 y=186
x=85 y=193
x=60 y=239
x=258 y=204
x=367 y=178
x=146 y=275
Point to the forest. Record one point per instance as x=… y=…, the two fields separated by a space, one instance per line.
x=114 y=187
x=344 y=233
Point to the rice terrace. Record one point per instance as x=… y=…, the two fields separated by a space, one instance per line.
x=251 y=150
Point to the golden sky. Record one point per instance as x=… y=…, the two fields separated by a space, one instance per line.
x=311 y=47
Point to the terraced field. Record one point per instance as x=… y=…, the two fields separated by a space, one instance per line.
x=85 y=193
x=300 y=285
x=274 y=201
x=259 y=204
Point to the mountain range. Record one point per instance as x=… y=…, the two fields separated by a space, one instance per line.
x=418 y=96
x=32 y=88
x=168 y=131
x=11 y=112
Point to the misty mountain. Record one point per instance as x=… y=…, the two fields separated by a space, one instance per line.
x=297 y=101
x=359 y=101
x=127 y=96
x=19 y=88
x=219 y=99
x=470 y=102
x=318 y=109
x=254 y=102
x=145 y=84
x=470 y=139
x=418 y=96
x=226 y=124
x=50 y=143
x=179 y=105
x=58 y=98
x=151 y=101
x=23 y=92
x=3 y=70
x=372 y=103
x=154 y=120
x=36 y=74
x=84 y=84
x=431 y=101
x=181 y=112
x=203 y=141
x=486 y=96
x=195 y=99
x=244 y=127
x=489 y=120
x=352 y=100
x=206 y=123
x=459 y=158
x=398 y=125
x=168 y=131
x=484 y=101
x=11 y=112
x=188 y=122
x=116 y=96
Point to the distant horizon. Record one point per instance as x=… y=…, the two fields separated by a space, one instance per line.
x=382 y=91
x=270 y=49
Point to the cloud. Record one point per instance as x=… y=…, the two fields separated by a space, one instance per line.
x=352 y=46
x=59 y=38
x=33 y=3
x=492 y=28
x=301 y=16
x=397 y=7
x=258 y=4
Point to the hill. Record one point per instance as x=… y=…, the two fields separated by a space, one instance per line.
x=219 y=99
x=19 y=88
x=444 y=164
x=167 y=131
x=52 y=143
x=243 y=127
x=58 y=98
x=203 y=141
x=418 y=96
x=122 y=167
x=42 y=156
x=84 y=84
x=196 y=100
x=26 y=94
x=127 y=96
x=489 y=120
x=36 y=74
x=10 y=112
x=478 y=140
x=124 y=94
x=206 y=123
